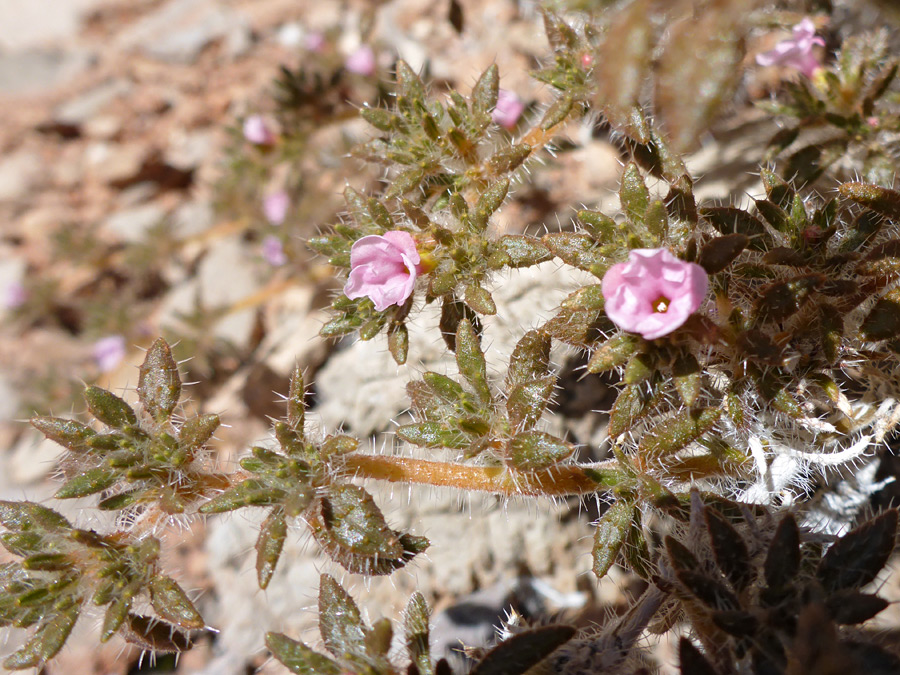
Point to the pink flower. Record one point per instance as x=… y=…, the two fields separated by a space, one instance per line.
x=383 y=268
x=362 y=61
x=257 y=131
x=654 y=292
x=108 y=352
x=797 y=51
x=275 y=206
x=508 y=110
x=14 y=295
x=273 y=251
x=314 y=42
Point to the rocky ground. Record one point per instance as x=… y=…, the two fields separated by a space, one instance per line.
x=118 y=123
x=116 y=147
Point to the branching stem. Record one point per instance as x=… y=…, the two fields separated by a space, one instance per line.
x=560 y=481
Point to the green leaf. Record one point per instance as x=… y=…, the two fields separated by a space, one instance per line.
x=719 y=253
x=640 y=368
x=486 y=90
x=522 y=251
x=115 y=615
x=530 y=359
x=610 y=535
x=575 y=248
x=340 y=622
x=656 y=220
x=159 y=384
x=470 y=360
x=434 y=435
x=880 y=199
x=355 y=523
x=46 y=642
x=633 y=194
x=588 y=297
x=398 y=342
x=779 y=300
x=22 y=516
x=527 y=401
x=269 y=545
x=688 y=377
x=601 y=227
x=196 y=431
x=409 y=87
x=536 y=450
x=70 y=434
x=855 y=559
x=417 y=644
x=518 y=654
x=480 y=300
x=729 y=220
x=632 y=404
x=679 y=431
x=296 y=400
x=557 y=112
x=883 y=321
x=339 y=444
x=87 y=483
x=777 y=190
x=154 y=635
x=614 y=352
x=509 y=159
x=489 y=201
x=109 y=408
x=250 y=492
x=172 y=603
x=298 y=658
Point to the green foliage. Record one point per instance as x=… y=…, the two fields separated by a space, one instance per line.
x=64 y=569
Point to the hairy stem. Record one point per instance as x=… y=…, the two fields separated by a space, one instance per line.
x=556 y=482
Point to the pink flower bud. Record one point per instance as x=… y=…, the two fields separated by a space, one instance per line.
x=275 y=207
x=797 y=51
x=257 y=131
x=14 y=295
x=508 y=110
x=362 y=61
x=654 y=292
x=273 y=251
x=383 y=268
x=314 y=42
x=108 y=352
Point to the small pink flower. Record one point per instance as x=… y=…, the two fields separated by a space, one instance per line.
x=108 y=352
x=362 y=61
x=654 y=292
x=273 y=251
x=797 y=51
x=257 y=131
x=508 y=110
x=314 y=42
x=14 y=295
x=383 y=268
x=275 y=206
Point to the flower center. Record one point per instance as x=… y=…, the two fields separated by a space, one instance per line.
x=661 y=304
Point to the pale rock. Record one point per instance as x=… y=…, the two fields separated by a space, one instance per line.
x=114 y=163
x=192 y=218
x=20 y=173
x=188 y=149
x=133 y=224
x=35 y=70
x=33 y=458
x=84 y=107
x=180 y=30
x=35 y=23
